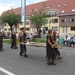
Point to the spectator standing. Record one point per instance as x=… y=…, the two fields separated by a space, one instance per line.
x=73 y=43
x=66 y=40
x=1 y=41
x=39 y=34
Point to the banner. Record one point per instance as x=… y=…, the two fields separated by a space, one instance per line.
x=23 y=10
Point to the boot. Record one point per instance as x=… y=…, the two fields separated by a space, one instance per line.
x=25 y=55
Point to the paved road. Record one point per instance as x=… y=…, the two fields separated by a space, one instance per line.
x=35 y=64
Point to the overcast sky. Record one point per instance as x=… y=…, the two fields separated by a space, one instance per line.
x=8 y=4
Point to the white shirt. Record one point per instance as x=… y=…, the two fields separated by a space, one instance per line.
x=68 y=38
x=16 y=36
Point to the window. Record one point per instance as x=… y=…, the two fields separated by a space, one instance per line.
x=65 y=4
x=5 y=24
x=35 y=9
x=55 y=28
x=27 y=29
x=5 y=29
x=30 y=10
x=48 y=7
x=54 y=13
x=27 y=17
x=63 y=19
x=10 y=29
x=59 y=5
x=64 y=29
x=71 y=19
x=54 y=20
x=48 y=13
x=46 y=28
x=27 y=22
x=73 y=10
x=72 y=28
x=62 y=11
x=57 y=12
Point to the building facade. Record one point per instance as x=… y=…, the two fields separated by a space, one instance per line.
x=62 y=19
x=67 y=23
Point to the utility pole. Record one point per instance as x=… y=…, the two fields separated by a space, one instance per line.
x=23 y=12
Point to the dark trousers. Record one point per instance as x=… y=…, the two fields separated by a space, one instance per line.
x=73 y=43
x=1 y=44
x=13 y=44
x=66 y=42
x=22 y=49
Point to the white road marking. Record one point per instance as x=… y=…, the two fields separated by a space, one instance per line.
x=6 y=72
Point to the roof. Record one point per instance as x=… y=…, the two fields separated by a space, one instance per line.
x=65 y=6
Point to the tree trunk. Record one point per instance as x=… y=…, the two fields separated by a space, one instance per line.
x=11 y=29
x=11 y=33
x=37 y=30
x=16 y=27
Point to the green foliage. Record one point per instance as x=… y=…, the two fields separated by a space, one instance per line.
x=38 y=18
x=42 y=40
x=11 y=18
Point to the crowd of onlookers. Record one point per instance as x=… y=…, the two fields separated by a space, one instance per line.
x=6 y=35
x=67 y=40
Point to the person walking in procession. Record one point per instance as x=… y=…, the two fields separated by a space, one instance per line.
x=22 y=40
x=13 y=40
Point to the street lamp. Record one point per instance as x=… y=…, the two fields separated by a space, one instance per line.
x=23 y=11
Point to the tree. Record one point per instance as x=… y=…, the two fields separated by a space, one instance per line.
x=50 y=21
x=38 y=18
x=11 y=18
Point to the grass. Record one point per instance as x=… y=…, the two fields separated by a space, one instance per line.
x=8 y=41
x=42 y=40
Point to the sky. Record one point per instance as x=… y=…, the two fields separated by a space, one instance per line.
x=8 y=4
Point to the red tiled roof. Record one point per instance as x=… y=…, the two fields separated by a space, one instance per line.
x=52 y=4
